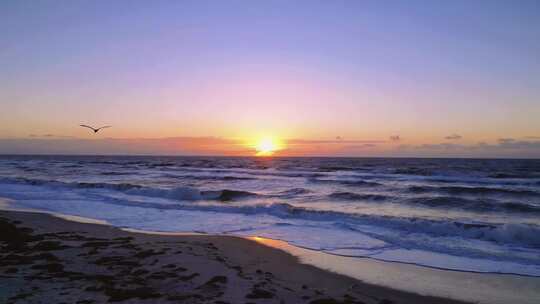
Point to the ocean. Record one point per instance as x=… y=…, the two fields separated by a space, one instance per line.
x=480 y=215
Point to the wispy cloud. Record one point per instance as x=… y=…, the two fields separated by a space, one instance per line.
x=441 y=146
x=519 y=144
x=356 y=147
x=330 y=141
x=503 y=147
x=505 y=140
x=454 y=137
x=50 y=144
x=48 y=136
x=171 y=145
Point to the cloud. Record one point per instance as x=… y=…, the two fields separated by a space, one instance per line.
x=162 y=146
x=395 y=138
x=532 y=137
x=329 y=147
x=505 y=140
x=503 y=147
x=331 y=141
x=521 y=144
x=356 y=147
x=50 y=144
x=441 y=146
x=454 y=137
x=503 y=143
x=49 y=136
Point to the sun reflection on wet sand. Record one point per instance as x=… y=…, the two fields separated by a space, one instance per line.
x=489 y=287
x=269 y=242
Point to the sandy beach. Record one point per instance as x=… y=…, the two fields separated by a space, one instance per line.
x=46 y=259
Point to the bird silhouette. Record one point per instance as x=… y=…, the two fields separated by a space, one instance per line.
x=94 y=129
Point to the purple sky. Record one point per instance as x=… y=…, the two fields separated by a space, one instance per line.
x=399 y=78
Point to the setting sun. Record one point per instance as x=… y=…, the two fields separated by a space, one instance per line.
x=267 y=146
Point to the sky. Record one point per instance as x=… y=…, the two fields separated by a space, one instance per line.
x=319 y=78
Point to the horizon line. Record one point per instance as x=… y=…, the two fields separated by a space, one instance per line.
x=273 y=156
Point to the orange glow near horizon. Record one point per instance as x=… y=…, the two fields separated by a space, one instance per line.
x=267 y=146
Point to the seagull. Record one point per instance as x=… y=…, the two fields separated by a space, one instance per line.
x=94 y=129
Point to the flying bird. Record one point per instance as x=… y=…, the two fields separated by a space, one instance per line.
x=94 y=129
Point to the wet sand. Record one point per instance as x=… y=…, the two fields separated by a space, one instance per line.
x=46 y=259
x=475 y=287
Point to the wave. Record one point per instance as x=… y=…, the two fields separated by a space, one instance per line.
x=519 y=207
x=527 y=235
x=413 y=171
x=522 y=234
x=292 y=192
x=177 y=193
x=472 y=180
x=119 y=186
x=472 y=204
x=358 y=197
x=114 y=173
x=348 y=182
x=68 y=166
x=31 y=169
x=335 y=168
x=192 y=194
x=514 y=175
x=158 y=165
x=210 y=177
x=253 y=172
x=112 y=162
x=472 y=190
x=518 y=234
x=82 y=185
x=227 y=195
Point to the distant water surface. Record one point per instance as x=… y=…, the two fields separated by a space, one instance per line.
x=474 y=215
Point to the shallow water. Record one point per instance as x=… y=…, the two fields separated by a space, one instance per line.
x=474 y=215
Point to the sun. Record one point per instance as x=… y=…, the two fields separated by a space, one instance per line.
x=267 y=146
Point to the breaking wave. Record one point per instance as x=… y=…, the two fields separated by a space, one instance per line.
x=473 y=190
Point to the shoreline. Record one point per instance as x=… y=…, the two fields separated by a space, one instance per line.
x=93 y=263
x=5 y=205
x=423 y=281
x=290 y=248
x=489 y=287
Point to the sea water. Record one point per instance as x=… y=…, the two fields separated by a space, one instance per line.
x=464 y=214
